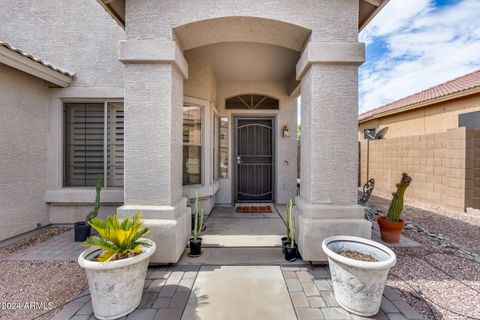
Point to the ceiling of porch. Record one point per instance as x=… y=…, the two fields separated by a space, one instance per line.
x=246 y=61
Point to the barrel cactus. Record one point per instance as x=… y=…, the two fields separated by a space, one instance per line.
x=396 y=206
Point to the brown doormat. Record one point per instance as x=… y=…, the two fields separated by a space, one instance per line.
x=254 y=209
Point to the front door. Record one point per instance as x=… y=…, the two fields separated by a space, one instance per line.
x=254 y=159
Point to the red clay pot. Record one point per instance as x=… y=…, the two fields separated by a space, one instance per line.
x=389 y=230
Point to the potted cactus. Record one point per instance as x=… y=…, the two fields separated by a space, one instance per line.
x=196 y=240
x=291 y=248
x=82 y=229
x=286 y=239
x=391 y=226
x=116 y=265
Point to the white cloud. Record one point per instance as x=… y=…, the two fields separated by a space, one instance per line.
x=423 y=45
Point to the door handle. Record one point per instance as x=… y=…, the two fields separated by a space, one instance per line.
x=239 y=160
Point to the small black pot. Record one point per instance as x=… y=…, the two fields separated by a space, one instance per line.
x=285 y=240
x=195 y=247
x=291 y=253
x=82 y=231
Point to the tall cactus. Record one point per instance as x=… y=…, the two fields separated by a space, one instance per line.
x=287 y=220
x=198 y=225
x=93 y=214
x=396 y=206
x=291 y=223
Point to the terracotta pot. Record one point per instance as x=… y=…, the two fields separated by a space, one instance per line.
x=389 y=230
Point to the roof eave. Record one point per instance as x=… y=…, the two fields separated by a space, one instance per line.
x=120 y=16
x=362 y=24
x=452 y=96
x=15 y=60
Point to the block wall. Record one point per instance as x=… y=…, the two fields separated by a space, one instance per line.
x=445 y=167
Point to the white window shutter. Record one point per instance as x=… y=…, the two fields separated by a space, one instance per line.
x=115 y=162
x=84 y=143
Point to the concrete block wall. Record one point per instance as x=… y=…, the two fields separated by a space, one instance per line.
x=445 y=167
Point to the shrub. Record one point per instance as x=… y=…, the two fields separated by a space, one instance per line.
x=118 y=240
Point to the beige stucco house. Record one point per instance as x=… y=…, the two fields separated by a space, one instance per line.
x=434 y=135
x=165 y=98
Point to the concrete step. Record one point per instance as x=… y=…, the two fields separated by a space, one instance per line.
x=238 y=256
x=215 y=241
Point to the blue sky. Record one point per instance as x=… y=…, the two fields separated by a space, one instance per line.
x=412 y=45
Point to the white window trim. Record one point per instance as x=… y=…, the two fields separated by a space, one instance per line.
x=55 y=156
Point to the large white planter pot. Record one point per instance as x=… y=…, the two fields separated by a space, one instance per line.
x=358 y=285
x=116 y=287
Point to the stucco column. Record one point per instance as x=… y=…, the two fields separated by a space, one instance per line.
x=327 y=204
x=154 y=73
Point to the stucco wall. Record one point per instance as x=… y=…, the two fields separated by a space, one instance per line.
x=329 y=20
x=201 y=80
x=445 y=167
x=431 y=119
x=76 y=35
x=286 y=174
x=23 y=152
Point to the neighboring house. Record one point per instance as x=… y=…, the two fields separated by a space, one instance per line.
x=229 y=71
x=434 y=135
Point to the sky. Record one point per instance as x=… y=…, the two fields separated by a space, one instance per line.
x=412 y=45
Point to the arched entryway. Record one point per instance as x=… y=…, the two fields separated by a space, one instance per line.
x=214 y=60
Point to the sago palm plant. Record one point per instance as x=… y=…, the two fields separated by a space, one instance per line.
x=118 y=240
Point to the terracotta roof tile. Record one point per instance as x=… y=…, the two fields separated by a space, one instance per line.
x=462 y=83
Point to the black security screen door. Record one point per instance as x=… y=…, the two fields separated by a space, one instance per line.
x=254 y=150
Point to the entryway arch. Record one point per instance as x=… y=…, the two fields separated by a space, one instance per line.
x=241 y=29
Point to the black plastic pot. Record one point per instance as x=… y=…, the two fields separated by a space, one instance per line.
x=82 y=231
x=285 y=240
x=291 y=253
x=195 y=247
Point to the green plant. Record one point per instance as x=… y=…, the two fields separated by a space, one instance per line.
x=291 y=223
x=94 y=212
x=118 y=240
x=198 y=225
x=287 y=220
x=396 y=206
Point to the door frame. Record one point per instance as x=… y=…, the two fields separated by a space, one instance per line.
x=236 y=118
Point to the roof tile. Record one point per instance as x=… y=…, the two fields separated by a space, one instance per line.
x=462 y=83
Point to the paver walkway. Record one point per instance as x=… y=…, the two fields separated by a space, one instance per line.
x=237 y=281
x=169 y=293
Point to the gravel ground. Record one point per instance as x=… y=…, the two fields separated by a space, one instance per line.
x=441 y=275
x=37 y=281
x=43 y=235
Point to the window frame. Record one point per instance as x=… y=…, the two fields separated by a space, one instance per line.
x=202 y=141
x=105 y=102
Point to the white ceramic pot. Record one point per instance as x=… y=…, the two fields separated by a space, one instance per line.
x=116 y=287
x=358 y=285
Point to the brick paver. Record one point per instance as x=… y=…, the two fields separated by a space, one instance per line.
x=316 y=287
x=162 y=298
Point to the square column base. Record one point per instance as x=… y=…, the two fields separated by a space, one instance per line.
x=315 y=222
x=170 y=228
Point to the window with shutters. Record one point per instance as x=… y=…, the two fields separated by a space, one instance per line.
x=93 y=144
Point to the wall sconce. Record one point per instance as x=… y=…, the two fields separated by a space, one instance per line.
x=285 y=131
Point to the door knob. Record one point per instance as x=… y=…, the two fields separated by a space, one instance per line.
x=239 y=160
